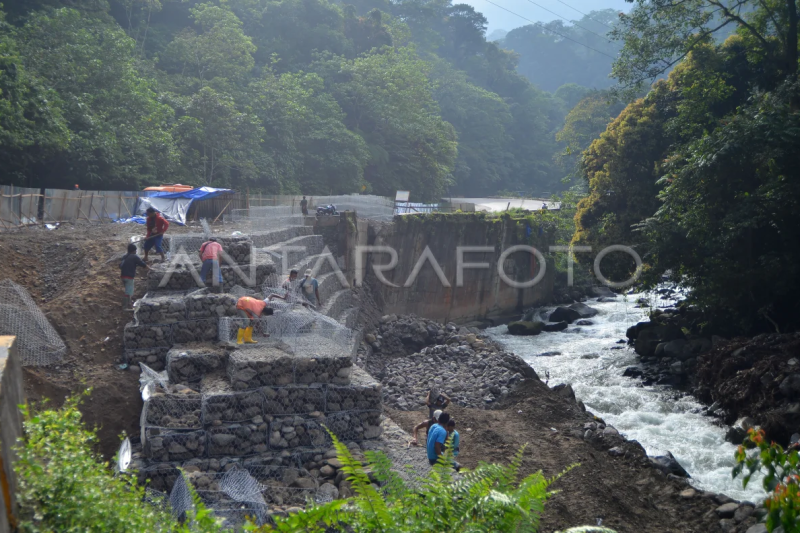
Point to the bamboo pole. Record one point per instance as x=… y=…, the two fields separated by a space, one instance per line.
x=63 y=204
x=223 y=210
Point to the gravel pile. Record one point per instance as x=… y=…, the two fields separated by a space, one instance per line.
x=472 y=370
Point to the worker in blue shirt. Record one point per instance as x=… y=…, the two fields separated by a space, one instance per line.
x=437 y=437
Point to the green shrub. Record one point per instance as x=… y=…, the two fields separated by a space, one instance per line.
x=65 y=487
x=490 y=498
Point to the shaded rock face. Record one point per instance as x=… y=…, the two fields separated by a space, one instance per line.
x=649 y=337
x=572 y=313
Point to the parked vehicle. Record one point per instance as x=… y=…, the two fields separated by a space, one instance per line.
x=327 y=210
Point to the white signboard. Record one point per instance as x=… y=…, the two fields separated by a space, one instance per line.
x=402 y=196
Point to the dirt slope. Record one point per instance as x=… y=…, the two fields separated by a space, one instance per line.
x=625 y=492
x=67 y=274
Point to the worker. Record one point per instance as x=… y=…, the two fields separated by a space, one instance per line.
x=251 y=309
x=156 y=226
x=436 y=400
x=455 y=442
x=209 y=255
x=437 y=438
x=77 y=188
x=304 y=206
x=128 y=272
x=309 y=288
x=289 y=284
x=425 y=425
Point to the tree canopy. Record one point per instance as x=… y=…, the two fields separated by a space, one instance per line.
x=276 y=96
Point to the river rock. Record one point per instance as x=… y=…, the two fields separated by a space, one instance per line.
x=600 y=291
x=743 y=513
x=555 y=326
x=758 y=528
x=649 y=338
x=790 y=386
x=669 y=465
x=727 y=510
x=327 y=492
x=565 y=314
x=525 y=328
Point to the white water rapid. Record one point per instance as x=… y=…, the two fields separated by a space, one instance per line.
x=660 y=418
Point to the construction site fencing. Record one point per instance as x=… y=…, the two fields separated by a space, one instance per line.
x=38 y=343
x=20 y=206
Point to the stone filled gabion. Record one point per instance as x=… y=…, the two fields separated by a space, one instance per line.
x=207 y=305
x=181 y=278
x=138 y=336
x=233 y=407
x=363 y=394
x=186 y=365
x=155 y=358
x=201 y=330
x=297 y=431
x=238 y=249
x=294 y=399
x=238 y=439
x=171 y=446
x=173 y=412
x=269 y=365
x=355 y=426
x=160 y=310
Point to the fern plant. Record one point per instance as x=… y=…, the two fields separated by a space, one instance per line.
x=489 y=498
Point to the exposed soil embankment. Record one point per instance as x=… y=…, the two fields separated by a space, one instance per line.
x=68 y=274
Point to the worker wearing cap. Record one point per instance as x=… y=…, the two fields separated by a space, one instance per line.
x=251 y=309
x=309 y=287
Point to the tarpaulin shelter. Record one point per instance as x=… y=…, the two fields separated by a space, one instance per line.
x=182 y=206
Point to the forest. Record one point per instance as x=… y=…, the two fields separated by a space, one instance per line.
x=291 y=96
x=700 y=176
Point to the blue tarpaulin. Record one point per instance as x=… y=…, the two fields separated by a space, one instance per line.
x=200 y=193
x=173 y=205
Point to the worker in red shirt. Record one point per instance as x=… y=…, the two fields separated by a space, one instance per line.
x=251 y=309
x=157 y=226
x=209 y=255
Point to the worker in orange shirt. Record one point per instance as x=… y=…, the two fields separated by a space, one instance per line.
x=251 y=309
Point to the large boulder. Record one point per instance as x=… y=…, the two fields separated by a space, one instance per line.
x=584 y=310
x=525 y=328
x=564 y=314
x=600 y=291
x=555 y=326
x=650 y=337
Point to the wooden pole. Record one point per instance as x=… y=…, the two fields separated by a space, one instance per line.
x=223 y=210
x=1 y=212
x=126 y=205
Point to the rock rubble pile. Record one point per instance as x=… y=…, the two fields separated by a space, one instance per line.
x=471 y=369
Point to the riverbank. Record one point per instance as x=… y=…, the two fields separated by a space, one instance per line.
x=616 y=482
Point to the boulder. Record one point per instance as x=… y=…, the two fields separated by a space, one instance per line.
x=525 y=328
x=677 y=349
x=758 y=528
x=584 y=310
x=649 y=338
x=565 y=314
x=669 y=465
x=565 y=390
x=584 y=323
x=327 y=492
x=602 y=290
x=727 y=510
x=790 y=386
x=555 y=326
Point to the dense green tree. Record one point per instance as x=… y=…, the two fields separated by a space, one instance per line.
x=90 y=65
x=387 y=98
x=31 y=122
x=621 y=168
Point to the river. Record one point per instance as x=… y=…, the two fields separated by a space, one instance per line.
x=660 y=418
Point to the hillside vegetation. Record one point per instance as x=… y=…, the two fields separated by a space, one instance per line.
x=290 y=96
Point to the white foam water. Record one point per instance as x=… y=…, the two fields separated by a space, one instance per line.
x=660 y=418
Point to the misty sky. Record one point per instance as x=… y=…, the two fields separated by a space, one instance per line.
x=503 y=20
